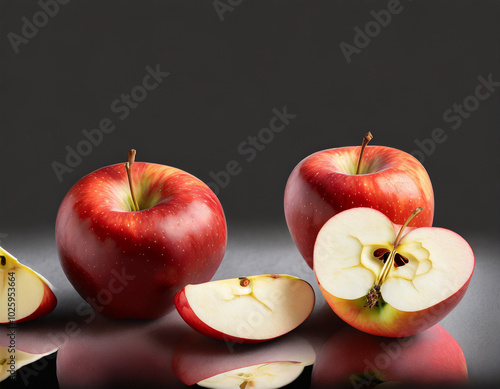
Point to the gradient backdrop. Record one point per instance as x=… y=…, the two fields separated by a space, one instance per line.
x=341 y=68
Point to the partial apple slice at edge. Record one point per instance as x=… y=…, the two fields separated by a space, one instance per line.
x=16 y=359
x=24 y=294
x=246 y=309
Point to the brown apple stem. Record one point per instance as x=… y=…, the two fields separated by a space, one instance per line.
x=128 y=166
x=368 y=137
x=390 y=261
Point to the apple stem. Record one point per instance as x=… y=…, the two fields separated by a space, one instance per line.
x=128 y=166
x=368 y=137
x=390 y=261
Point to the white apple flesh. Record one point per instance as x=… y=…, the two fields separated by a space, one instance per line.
x=263 y=376
x=24 y=294
x=11 y=361
x=386 y=284
x=246 y=309
x=264 y=365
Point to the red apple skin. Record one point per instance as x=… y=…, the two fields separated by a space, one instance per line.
x=106 y=353
x=399 y=323
x=187 y=313
x=319 y=188
x=131 y=264
x=432 y=357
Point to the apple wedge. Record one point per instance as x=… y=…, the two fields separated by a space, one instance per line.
x=246 y=309
x=13 y=359
x=24 y=294
x=264 y=365
x=387 y=280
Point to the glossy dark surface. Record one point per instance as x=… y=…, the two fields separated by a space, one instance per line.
x=99 y=352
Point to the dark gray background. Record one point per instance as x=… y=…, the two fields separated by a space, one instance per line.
x=225 y=79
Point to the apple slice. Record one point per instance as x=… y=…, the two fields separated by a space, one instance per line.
x=13 y=359
x=264 y=365
x=24 y=294
x=387 y=280
x=246 y=309
x=266 y=375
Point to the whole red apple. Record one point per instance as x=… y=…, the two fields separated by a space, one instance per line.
x=129 y=263
x=330 y=181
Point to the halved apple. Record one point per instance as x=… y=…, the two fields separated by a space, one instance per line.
x=203 y=361
x=387 y=280
x=246 y=309
x=24 y=294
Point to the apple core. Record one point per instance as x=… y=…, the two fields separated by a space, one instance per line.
x=389 y=259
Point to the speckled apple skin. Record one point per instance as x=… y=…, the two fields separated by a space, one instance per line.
x=324 y=184
x=131 y=264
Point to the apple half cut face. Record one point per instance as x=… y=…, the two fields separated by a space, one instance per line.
x=387 y=280
x=24 y=294
x=246 y=309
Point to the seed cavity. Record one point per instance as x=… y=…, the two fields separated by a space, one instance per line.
x=383 y=255
x=380 y=252
x=399 y=260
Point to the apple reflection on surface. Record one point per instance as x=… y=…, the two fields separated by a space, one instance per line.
x=354 y=359
x=214 y=364
x=20 y=347
x=110 y=353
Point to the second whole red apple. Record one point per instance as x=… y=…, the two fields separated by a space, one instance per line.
x=333 y=180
